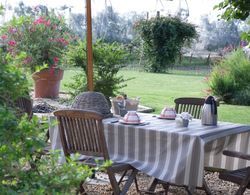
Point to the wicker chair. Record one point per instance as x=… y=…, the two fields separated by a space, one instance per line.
x=82 y=131
x=93 y=101
x=239 y=176
x=191 y=105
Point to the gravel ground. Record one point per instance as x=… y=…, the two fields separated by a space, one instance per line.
x=217 y=186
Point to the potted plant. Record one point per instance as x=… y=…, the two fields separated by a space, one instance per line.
x=42 y=38
x=183 y=119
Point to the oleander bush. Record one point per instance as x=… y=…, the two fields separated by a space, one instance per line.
x=42 y=37
x=230 y=79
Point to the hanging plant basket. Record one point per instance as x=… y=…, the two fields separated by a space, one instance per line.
x=47 y=83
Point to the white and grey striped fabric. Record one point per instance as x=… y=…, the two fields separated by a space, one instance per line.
x=176 y=154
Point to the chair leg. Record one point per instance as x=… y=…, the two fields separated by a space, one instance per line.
x=93 y=174
x=136 y=185
x=81 y=189
x=113 y=182
x=152 y=185
x=166 y=187
x=128 y=183
x=120 y=180
x=206 y=188
x=188 y=190
x=241 y=190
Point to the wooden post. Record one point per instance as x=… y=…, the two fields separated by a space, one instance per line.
x=90 y=73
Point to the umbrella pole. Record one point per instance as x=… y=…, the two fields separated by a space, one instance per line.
x=89 y=47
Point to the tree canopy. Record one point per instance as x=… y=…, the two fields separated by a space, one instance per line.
x=232 y=9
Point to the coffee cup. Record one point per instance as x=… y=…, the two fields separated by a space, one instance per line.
x=131 y=117
x=168 y=113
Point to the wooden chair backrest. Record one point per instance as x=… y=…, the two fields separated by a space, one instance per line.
x=82 y=132
x=24 y=105
x=191 y=105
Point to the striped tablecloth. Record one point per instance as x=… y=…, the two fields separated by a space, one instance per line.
x=174 y=154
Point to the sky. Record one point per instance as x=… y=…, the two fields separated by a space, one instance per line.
x=197 y=8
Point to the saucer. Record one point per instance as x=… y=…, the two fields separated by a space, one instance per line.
x=167 y=118
x=131 y=123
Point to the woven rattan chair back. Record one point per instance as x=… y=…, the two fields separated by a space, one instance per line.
x=24 y=105
x=93 y=101
x=82 y=132
x=191 y=105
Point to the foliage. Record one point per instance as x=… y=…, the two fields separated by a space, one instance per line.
x=1 y=9
x=239 y=9
x=25 y=10
x=42 y=37
x=78 y=86
x=21 y=141
x=109 y=26
x=13 y=83
x=21 y=172
x=78 y=24
x=220 y=34
x=107 y=58
x=230 y=79
x=163 y=38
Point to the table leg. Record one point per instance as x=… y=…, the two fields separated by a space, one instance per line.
x=152 y=185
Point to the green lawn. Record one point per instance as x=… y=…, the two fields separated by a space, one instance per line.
x=159 y=90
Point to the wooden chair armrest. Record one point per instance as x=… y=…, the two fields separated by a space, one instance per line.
x=236 y=154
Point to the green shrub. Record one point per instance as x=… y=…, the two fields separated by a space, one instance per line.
x=222 y=84
x=163 y=38
x=21 y=173
x=13 y=82
x=21 y=140
x=242 y=97
x=230 y=79
x=107 y=58
x=78 y=85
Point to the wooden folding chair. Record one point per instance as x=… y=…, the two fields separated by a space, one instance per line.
x=82 y=132
x=24 y=105
x=239 y=176
x=191 y=105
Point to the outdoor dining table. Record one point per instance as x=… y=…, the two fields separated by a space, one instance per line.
x=170 y=153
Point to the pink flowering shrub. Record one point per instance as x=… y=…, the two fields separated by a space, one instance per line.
x=43 y=38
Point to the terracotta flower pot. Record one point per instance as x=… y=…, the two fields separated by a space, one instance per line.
x=47 y=83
